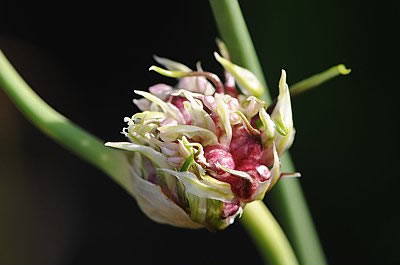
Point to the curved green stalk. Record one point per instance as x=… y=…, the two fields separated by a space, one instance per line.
x=60 y=129
x=288 y=196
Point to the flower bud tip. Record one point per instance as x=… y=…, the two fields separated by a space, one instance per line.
x=109 y=144
x=283 y=73
x=217 y=56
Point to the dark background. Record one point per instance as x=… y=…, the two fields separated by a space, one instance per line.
x=86 y=60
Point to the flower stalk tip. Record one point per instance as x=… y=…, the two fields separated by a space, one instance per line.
x=343 y=70
x=318 y=79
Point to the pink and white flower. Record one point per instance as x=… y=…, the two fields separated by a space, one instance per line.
x=201 y=150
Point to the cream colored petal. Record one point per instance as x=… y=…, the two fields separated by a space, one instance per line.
x=158 y=207
x=167 y=108
x=171 y=65
x=172 y=133
x=282 y=117
x=156 y=157
x=246 y=80
x=223 y=114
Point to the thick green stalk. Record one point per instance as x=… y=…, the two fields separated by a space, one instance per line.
x=288 y=196
x=295 y=217
x=233 y=30
x=60 y=129
x=267 y=233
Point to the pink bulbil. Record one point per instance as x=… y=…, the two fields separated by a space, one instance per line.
x=245 y=154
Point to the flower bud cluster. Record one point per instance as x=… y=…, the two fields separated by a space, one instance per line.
x=202 y=150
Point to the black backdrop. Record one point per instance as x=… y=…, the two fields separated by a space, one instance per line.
x=86 y=59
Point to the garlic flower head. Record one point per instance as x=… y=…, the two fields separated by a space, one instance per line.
x=201 y=150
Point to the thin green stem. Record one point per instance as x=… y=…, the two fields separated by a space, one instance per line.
x=60 y=129
x=267 y=233
x=318 y=79
x=287 y=196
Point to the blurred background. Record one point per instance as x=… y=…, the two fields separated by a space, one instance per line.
x=86 y=60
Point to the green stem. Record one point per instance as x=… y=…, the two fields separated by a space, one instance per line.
x=234 y=32
x=267 y=233
x=318 y=79
x=295 y=217
x=287 y=196
x=60 y=129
